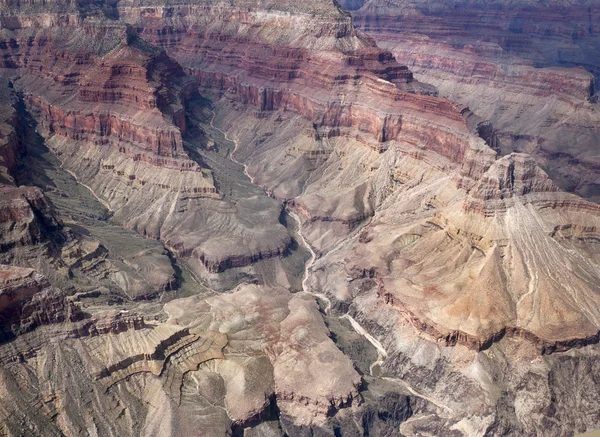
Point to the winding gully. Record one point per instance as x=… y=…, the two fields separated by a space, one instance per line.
x=381 y=351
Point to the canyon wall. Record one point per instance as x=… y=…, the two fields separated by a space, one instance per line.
x=521 y=66
x=477 y=208
x=34 y=233
x=112 y=108
x=457 y=256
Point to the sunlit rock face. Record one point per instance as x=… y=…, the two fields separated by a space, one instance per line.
x=379 y=157
x=491 y=210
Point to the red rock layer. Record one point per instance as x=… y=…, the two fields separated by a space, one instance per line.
x=26 y=216
x=519 y=27
x=159 y=146
x=308 y=74
x=117 y=103
x=124 y=85
x=112 y=107
x=489 y=58
x=489 y=216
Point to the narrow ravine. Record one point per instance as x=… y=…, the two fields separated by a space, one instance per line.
x=313 y=257
x=235 y=146
x=381 y=352
x=87 y=215
x=414 y=392
x=102 y=201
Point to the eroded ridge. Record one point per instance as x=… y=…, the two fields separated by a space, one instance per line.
x=164 y=351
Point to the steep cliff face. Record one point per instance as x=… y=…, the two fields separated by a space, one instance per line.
x=26 y=216
x=489 y=58
x=34 y=234
x=483 y=206
x=110 y=94
x=27 y=301
x=420 y=239
x=328 y=73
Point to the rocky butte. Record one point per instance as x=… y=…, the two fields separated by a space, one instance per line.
x=311 y=218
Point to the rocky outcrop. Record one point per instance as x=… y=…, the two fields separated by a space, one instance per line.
x=27 y=300
x=278 y=351
x=297 y=347
x=26 y=216
x=454 y=377
x=415 y=220
x=33 y=234
x=169 y=352
x=430 y=330
x=514 y=175
x=29 y=210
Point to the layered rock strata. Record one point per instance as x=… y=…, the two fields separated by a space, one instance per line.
x=489 y=59
x=33 y=234
x=419 y=248
x=273 y=339
x=485 y=229
x=360 y=94
x=112 y=108
x=460 y=266
x=477 y=200
x=26 y=217
x=27 y=300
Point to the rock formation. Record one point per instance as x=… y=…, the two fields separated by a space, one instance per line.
x=34 y=235
x=363 y=238
x=489 y=57
x=425 y=183
x=271 y=346
x=27 y=300
x=112 y=108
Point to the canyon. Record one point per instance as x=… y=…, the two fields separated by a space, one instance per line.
x=305 y=219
